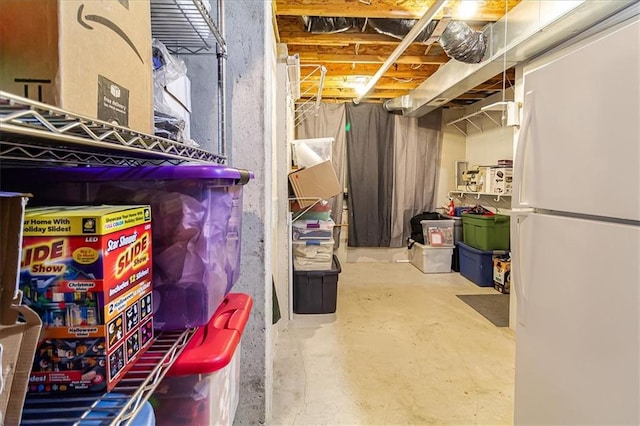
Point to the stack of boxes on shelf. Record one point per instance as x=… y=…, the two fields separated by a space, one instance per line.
x=434 y=256
x=315 y=268
x=495 y=179
x=312 y=244
x=485 y=236
x=314 y=179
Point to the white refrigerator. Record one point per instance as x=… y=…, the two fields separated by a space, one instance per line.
x=575 y=232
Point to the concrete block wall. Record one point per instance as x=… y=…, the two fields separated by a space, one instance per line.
x=250 y=108
x=250 y=122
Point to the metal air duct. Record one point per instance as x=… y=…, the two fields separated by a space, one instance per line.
x=399 y=28
x=462 y=43
x=534 y=26
x=327 y=25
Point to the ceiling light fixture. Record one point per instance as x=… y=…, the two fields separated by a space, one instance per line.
x=360 y=88
x=360 y=84
x=467 y=8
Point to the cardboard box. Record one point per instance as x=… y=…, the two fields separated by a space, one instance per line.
x=502 y=274
x=315 y=182
x=501 y=180
x=484 y=179
x=92 y=58
x=87 y=272
x=18 y=340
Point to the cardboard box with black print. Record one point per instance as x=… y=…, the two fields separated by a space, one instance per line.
x=92 y=58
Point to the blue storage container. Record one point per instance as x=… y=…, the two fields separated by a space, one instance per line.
x=99 y=415
x=477 y=265
x=90 y=410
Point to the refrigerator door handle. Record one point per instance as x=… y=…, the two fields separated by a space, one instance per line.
x=517 y=217
x=523 y=140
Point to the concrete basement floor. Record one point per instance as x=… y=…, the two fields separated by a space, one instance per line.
x=401 y=349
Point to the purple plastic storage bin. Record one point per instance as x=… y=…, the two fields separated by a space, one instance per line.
x=197 y=218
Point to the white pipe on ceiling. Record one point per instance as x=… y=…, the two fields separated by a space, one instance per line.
x=402 y=46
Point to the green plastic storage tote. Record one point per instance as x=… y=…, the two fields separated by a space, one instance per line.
x=486 y=232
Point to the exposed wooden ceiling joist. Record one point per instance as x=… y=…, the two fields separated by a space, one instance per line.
x=341 y=39
x=387 y=83
x=414 y=50
x=348 y=92
x=397 y=71
x=405 y=9
x=292 y=32
x=369 y=59
x=358 y=52
x=336 y=84
x=384 y=82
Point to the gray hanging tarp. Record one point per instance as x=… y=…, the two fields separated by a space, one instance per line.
x=417 y=144
x=370 y=174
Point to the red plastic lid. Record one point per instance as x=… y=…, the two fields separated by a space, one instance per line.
x=212 y=347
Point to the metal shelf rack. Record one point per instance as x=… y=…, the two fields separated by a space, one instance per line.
x=35 y=132
x=121 y=405
x=185 y=26
x=501 y=107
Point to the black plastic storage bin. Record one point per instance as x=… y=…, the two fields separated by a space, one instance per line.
x=316 y=292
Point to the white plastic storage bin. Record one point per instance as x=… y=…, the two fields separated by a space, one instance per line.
x=202 y=387
x=312 y=255
x=313 y=230
x=431 y=260
x=438 y=233
x=308 y=152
